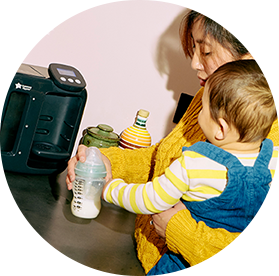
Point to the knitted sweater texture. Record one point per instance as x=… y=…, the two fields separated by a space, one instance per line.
x=196 y=242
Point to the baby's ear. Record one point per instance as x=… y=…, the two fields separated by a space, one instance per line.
x=223 y=130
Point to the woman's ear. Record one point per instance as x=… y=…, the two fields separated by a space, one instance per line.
x=223 y=130
x=258 y=53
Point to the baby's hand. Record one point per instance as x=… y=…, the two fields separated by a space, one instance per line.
x=108 y=168
x=107 y=183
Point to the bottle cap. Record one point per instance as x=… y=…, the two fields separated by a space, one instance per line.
x=93 y=165
x=143 y=113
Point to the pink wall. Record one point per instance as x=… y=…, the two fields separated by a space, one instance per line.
x=116 y=47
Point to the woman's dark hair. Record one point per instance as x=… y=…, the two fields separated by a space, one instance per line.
x=238 y=25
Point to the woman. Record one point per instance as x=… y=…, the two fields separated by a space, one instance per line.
x=209 y=46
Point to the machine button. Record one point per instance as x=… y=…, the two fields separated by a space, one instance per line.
x=77 y=81
x=63 y=78
x=70 y=80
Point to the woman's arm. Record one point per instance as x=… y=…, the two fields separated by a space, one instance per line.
x=219 y=252
x=131 y=165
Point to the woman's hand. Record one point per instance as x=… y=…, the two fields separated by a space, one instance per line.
x=160 y=221
x=80 y=156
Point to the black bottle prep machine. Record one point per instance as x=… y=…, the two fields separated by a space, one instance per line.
x=41 y=118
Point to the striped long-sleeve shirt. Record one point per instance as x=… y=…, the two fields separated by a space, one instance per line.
x=192 y=177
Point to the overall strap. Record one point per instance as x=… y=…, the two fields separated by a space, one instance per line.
x=229 y=160
x=265 y=154
x=215 y=153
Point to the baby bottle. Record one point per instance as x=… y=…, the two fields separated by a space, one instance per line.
x=88 y=185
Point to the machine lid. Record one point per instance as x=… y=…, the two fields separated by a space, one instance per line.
x=33 y=70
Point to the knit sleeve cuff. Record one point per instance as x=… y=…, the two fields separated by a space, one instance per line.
x=117 y=160
x=133 y=166
x=179 y=235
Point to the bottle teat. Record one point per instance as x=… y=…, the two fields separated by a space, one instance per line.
x=93 y=165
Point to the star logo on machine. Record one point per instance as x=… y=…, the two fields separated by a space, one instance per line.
x=18 y=85
x=24 y=87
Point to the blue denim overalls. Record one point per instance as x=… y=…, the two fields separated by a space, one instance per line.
x=234 y=209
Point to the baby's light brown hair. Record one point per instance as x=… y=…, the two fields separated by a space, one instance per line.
x=239 y=93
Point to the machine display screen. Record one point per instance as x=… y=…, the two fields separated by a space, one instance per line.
x=66 y=72
x=66 y=77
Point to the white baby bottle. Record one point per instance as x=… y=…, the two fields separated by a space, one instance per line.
x=88 y=185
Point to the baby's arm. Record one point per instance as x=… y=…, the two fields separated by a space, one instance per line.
x=152 y=197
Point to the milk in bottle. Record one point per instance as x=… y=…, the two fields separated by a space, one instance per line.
x=88 y=185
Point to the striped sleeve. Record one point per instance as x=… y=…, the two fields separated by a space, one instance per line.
x=152 y=197
x=207 y=178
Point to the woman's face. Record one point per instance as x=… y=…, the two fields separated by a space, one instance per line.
x=207 y=124
x=208 y=54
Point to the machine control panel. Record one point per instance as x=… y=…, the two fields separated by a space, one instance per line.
x=66 y=77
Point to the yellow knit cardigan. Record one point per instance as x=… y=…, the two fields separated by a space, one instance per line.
x=195 y=241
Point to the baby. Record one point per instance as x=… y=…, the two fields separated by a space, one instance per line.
x=230 y=181
x=240 y=103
